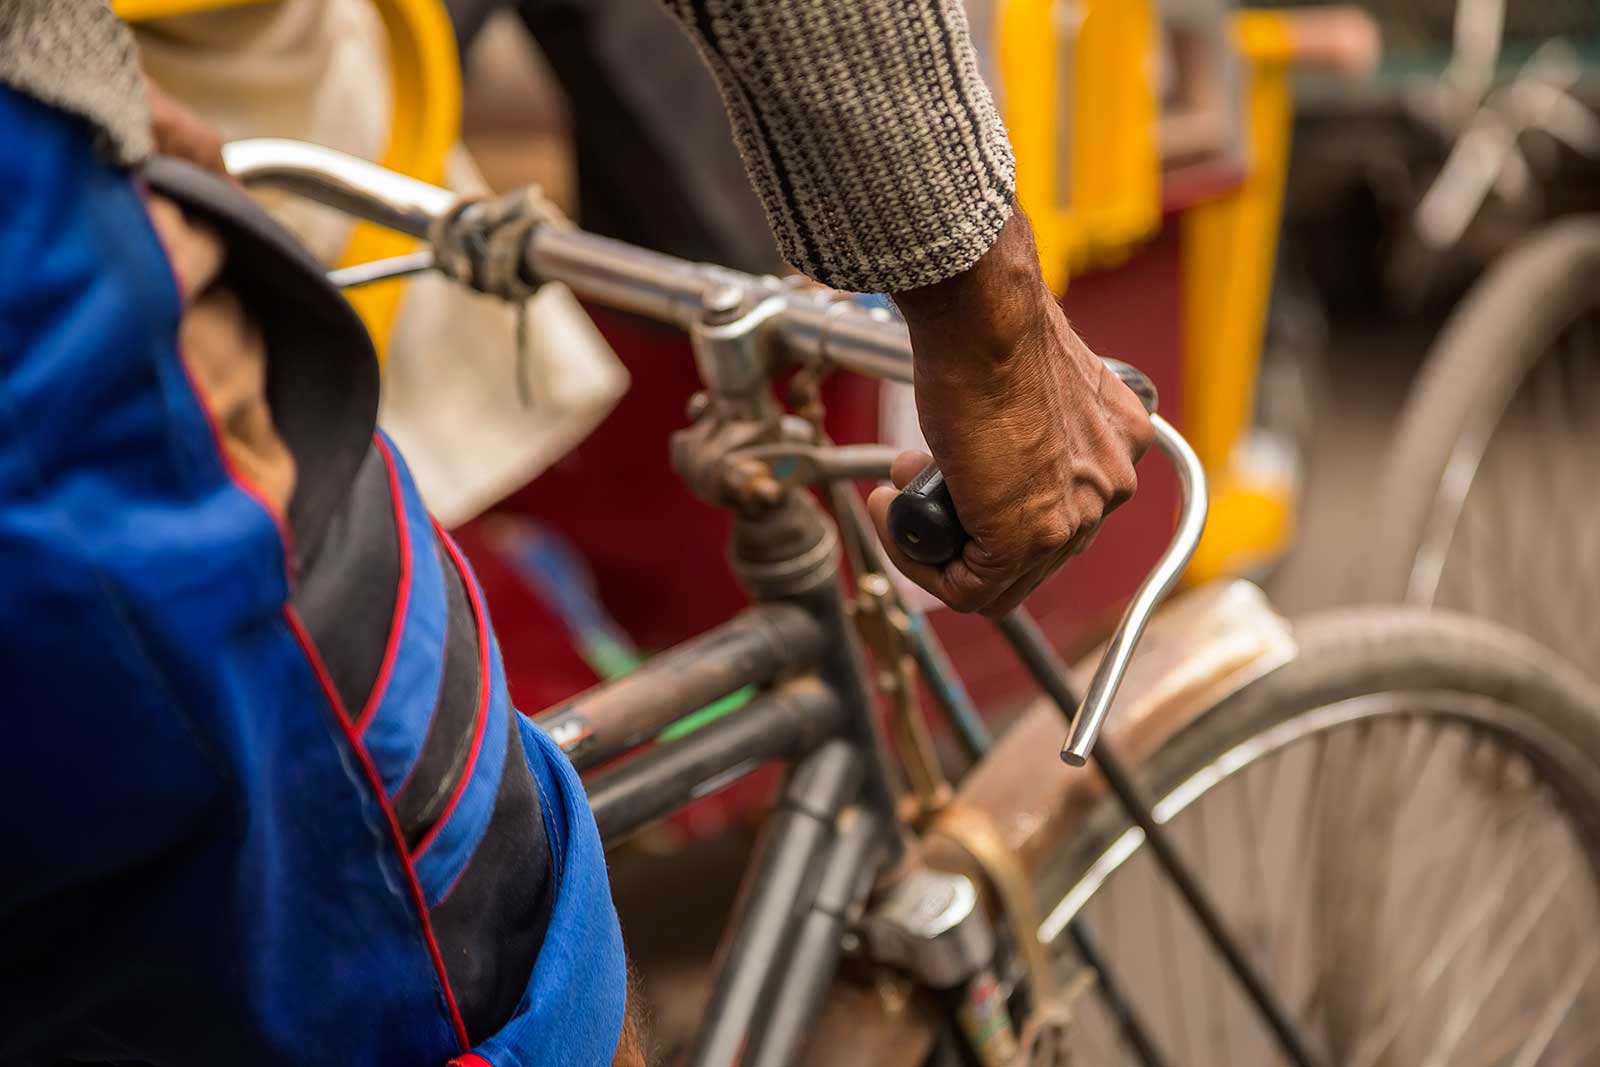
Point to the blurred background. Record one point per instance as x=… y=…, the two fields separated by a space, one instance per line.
x=1351 y=244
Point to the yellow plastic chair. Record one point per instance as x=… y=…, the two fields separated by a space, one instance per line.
x=1076 y=87
x=1230 y=245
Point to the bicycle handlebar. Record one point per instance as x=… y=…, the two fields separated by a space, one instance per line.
x=809 y=322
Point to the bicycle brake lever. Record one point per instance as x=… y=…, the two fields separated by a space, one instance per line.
x=799 y=464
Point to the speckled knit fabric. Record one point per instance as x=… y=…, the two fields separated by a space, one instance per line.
x=76 y=55
x=866 y=129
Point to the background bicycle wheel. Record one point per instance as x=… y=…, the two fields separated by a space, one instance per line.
x=1402 y=826
x=1488 y=502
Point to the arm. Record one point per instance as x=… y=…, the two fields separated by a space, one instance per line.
x=867 y=131
x=883 y=166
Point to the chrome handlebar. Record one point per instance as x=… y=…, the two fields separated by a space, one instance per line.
x=807 y=322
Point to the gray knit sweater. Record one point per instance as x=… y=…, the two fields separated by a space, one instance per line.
x=864 y=124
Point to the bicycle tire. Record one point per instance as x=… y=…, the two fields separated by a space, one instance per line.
x=1485 y=682
x=1453 y=464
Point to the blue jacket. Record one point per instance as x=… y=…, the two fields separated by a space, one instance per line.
x=262 y=805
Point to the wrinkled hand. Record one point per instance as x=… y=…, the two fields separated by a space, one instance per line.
x=226 y=358
x=1037 y=440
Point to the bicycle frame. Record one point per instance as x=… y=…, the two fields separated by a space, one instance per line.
x=842 y=824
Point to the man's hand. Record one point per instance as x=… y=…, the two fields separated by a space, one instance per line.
x=1037 y=440
x=180 y=132
x=225 y=356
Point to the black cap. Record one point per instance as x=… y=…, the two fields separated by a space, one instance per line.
x=322 y=371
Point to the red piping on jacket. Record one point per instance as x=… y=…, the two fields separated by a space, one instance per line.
x=481 y=726
x=413 y=886
x=402 y=595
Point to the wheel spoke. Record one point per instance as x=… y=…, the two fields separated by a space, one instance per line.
x=1449 y=903
x=1583 y=1055
x=1160 y=893
x=1521 y=545
x=1246 y=812
x=1560 y=1007
x=1217 y=1027
x=1300 y=867
x=1466 y=916
x=1466 y=1008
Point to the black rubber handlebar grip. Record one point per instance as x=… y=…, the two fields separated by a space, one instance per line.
x=923 y=519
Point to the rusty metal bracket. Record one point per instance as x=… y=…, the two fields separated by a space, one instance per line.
x=975 y=832
x=885 y=629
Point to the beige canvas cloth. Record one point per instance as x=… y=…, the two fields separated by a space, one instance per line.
x=317 y=70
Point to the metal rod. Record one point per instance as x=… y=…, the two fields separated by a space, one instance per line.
x=778 y=889
x=348 y=183
x=1102 y=690
x=1110 y=992
x=815 y=321
x=810 y=963
x=949 y=693
x=1022 y=633
x=843 y=669
x=788 y=553
x=381 y=270
x=1041 y=661
x=1274 y=1014
x=866 y=340
x=629 y=278
x=752 y=648
x=786 y=722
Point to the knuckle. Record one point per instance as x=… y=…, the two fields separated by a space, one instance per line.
x=963 y=600
x=964 y=605
x=1124 y=487
x=965 y=591
x=1144 y=434
x=1054 y=534
x=1090 y=515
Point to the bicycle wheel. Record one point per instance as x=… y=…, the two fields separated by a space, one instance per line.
x=1488 y=503
x=1403 y=828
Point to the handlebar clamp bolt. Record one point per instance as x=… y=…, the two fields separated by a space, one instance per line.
x=722 y=304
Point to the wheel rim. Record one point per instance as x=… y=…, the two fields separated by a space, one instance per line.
x=1513 y=530
x=1406 y=868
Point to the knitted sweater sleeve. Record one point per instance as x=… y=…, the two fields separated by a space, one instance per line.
x=867 y=131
